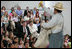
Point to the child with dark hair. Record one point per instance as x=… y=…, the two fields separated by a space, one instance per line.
x=5 y=43
x=11 y=35
x=27 y=45
x=11 y=46
x=15 y=40
x=67 y=38
x=67 y=41
x=21 y=43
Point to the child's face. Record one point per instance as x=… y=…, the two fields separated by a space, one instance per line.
x=24 y=24
x=31 y=23
x=6 y=13
x=11 y=35
x=27 y=40
x=3 y=8
x=16 y=40
x=66 y=37
x=12 y=46
x=31 y=11
x=21 y=42
x=7 y=34
x=26 y=45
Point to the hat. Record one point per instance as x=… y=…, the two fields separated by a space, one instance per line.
x=59 y=6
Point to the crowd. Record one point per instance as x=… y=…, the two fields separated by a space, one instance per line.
x=21 y=30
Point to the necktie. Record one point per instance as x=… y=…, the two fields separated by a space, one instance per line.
x=24 y=29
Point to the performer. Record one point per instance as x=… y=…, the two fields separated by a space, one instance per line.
x=54 y=27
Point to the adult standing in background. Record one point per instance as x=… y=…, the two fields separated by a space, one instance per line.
x=26 y=11
x=19 y=11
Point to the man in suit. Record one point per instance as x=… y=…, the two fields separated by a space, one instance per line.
x=25 y=12
x=24 y=30
x=21 y=29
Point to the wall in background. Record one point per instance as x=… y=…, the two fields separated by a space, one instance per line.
x=23 y=4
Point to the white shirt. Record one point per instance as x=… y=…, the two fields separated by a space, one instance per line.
x=56 y=23
x=25 y=30
x=32 y=28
